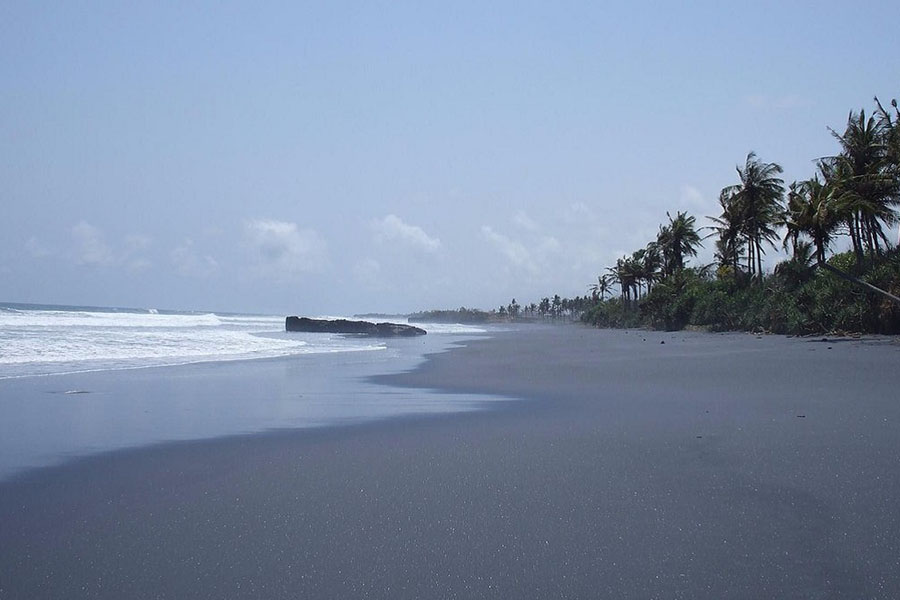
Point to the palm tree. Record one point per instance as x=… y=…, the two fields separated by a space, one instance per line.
x=544 y=306
x=636 y=264
x=728 y=226
x=798 y=269
x=651 y=263
x=811 y=212
x=866 y=186
x=624 y=273
x=677 y=240
x=601 y=288
x=890 y=126
x=758 y=200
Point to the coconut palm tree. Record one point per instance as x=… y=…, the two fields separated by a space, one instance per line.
x=890 y=125
x=651 y=264
x=758 y=200
x=601 y=288
x=811 y=213
x=676 y=240
x=866 y=187
x=798 y=269
x=728 y=227
x=625 y=274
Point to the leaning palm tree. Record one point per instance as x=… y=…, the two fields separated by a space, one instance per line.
x=758 y=199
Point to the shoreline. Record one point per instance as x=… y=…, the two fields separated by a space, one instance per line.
x=54 y=419
x=630 y=468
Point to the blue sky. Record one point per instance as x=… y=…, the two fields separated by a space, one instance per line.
x=346 y=157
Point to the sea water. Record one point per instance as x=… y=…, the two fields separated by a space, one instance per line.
x=80 y=380
x=52 y=340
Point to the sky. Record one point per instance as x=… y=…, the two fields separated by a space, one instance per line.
x=334 y=158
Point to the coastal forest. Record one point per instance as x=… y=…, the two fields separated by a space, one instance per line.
x=849 y=203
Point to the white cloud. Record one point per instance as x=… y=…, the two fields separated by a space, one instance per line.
x=139 y=264
x=283 y=250
x=578 y=212
x=36 y=249
x=367 y=272
x=548 y=245
x=189 y=262
x=692 y=198
x=525 y=222
x=392 y=228
x=137 y=241
x=91 y=249
x=514 y=251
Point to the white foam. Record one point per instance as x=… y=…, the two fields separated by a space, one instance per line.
x=41 y=342
x=452 y=328
x=63 y=318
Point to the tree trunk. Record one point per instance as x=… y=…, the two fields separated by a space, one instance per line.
x=858 y=281
x=759 y=271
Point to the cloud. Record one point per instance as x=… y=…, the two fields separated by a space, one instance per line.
x=139 y=264
x=692 y=198
x=525 y=222
x=36 y=249
x=367 y=272
x=283 y=250
x=91 y=249
x=514 y=251
x=189 y=262
x=392 y=228
x=137 y=241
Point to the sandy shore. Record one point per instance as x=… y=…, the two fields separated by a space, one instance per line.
x=707 y=466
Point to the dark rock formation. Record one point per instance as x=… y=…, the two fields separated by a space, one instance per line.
x=355 y=327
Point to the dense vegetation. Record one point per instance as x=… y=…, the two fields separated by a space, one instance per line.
x=854 y=194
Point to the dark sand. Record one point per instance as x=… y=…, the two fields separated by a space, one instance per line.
x=706 y=467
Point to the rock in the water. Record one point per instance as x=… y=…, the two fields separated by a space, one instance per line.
x=355 y=327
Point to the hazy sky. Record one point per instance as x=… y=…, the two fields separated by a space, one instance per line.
x=337 y=158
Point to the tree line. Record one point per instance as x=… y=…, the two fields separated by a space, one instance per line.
x=853 y=194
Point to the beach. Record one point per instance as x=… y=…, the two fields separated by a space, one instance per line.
x=619 y=464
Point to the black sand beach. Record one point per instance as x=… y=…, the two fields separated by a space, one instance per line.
x=707 y=466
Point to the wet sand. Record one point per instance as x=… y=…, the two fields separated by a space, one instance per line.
x=707 y=466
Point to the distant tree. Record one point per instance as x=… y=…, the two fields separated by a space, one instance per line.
x=513 y=308
x=544 y=307
x=651 y=265
x=601 y=288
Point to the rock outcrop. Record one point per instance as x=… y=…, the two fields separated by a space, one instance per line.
x=352 y=327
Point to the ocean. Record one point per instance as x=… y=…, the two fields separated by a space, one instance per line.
x=75 y=381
